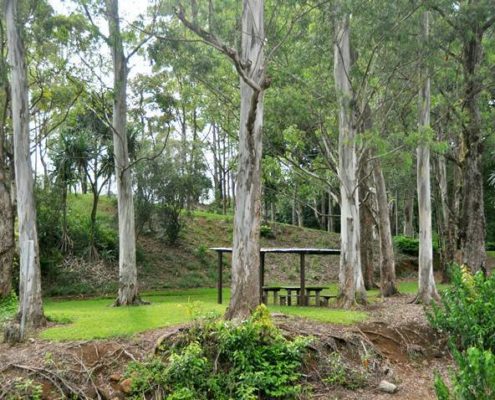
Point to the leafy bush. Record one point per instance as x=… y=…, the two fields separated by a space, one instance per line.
x=25 y=388
x=409 y=245
x=219 y=360
x=467 y=309
x=490 y=246
x=406 y=245
x=267 y=232
x=171 y=222
x=466 y=313
x=341 y=375
x=8 y=307
x=475 y=379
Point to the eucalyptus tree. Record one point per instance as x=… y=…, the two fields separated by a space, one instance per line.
x=426 y=281
x=30 y=306
x=465 y=26
x=128 y=285
x=350 y=276
x=7 y=212
x=251 y=67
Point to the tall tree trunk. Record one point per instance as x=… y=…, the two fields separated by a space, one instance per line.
x=294 y=206
x=387 y=259
x=447 y=250
x=93 y=251
x=30 y=305
x=7 y=217
x=7 y=242
x=426 y=281
x=299 y=214
x=128 y=288
x=330 y=223
x=350 y=276
x=409 y=215
x=245 y=294
x=366 y=223
x=473 y=224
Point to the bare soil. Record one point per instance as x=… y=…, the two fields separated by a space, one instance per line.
x=395 y=344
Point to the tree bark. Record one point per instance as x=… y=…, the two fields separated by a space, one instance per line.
x=473 y=224
x=409 y=215
x=387 y=259
x=350 y=276
x=426 y=281
x=7 y=242
x=30 y=305
x=330 y=223
x=128 y=288
x=366 y=224
x=245 y=294
x=447 y=248
x=7 y=217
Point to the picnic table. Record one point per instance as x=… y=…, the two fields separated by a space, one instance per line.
x=307 y=294
x=274 y=290
x=302 y=251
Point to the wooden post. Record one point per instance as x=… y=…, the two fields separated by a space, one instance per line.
x=262 y=278
x=220 y=277
x=303 y=281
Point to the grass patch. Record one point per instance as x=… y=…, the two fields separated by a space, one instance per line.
x=95 y=318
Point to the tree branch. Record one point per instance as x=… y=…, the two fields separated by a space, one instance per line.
x=211 y=39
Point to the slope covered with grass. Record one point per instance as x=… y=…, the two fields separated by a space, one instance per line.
x=187 y=264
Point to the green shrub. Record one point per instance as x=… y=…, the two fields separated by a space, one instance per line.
x=341 y=375
x=267 y=232
x=409 y=245
x=8 y=307
x=202 y=254
x=171 y=221
x=25 y=388
x=219 y=360
x=406 y=245
x=475 y=378
x=490 y=246
x=467 y=309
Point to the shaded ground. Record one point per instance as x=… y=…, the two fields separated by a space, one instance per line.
x=395 y=344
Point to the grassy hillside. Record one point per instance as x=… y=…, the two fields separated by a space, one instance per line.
x=189 y=263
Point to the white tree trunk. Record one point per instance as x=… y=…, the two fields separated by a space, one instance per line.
x=350 y=275
x=30 y=306
x=128 y=288
x=426 y=282
x=245 y=294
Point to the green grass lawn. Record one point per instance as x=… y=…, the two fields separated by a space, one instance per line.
x=95 y=318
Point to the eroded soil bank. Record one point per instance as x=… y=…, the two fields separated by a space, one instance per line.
x=395 y=344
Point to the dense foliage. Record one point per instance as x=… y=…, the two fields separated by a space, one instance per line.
x=475 y=379
x=466 y=314
x=467 y=309
x=220 y=360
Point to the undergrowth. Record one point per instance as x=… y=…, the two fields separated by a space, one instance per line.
x=466 y=314
x=8 y=308
x=222 y=360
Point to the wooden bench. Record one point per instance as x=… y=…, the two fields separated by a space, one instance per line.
x=325 y=298
x=267 y=290
x=286 y=299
